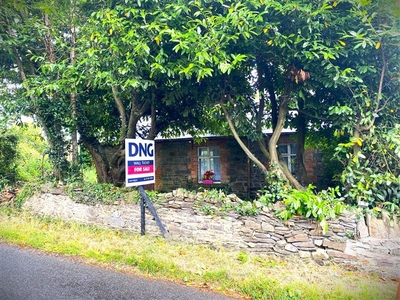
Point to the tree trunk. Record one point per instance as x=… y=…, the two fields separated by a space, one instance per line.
x=109 y=161
x=99 y=158
x=52 y=128
x=74 y=134
x=276 y=164
x=272 y=98
x=261 y=90
x=301 y=136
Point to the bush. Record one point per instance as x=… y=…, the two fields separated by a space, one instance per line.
x=8 y=156
x=32 y=163
x=273 y=192
x=324 y=205
x=373 y=174
x=374 y=189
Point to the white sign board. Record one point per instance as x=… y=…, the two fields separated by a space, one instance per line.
x=139 y=162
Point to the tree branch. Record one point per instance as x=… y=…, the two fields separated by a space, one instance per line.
x=238 y=139
x=121 y=110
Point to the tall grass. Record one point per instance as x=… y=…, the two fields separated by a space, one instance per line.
x=238 y=274
x=89 y=174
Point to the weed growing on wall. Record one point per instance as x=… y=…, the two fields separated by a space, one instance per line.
x=318 y=206
x=92 y=193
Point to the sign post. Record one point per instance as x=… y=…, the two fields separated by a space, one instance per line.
x=139 y=171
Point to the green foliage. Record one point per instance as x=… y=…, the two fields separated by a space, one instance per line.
x=219 y=275
x=318 y=206
x=243 y=257
x=326 y=142
x=370 y=116
x=213 y=202
x=247 y=208
x=89 y=175
x=367 y=185
x=322 y=206
x=26 y=192
x=372 y=175
x=32 y=161
x=134 y=55
x=8 y=156
x=92 y=193
x=3 y=183
x=274 y=189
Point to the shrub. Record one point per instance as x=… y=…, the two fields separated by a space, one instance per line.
x=8 y=157
x=322 y=206
x=372 y=175
x=31 y=160
x=273 y=192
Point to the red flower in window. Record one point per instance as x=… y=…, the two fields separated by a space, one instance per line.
x=208 y=174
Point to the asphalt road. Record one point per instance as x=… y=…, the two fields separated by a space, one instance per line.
x=29 y=275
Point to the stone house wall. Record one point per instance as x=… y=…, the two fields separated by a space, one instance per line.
x=177 y=165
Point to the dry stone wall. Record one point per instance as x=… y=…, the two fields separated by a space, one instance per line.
x=182 y=213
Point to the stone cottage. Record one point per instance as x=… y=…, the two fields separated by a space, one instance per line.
x=180 y=162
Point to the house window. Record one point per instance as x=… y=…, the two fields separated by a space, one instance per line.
x=288 y=153
x=209 y=159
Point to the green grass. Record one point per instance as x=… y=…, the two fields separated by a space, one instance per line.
x=89 y=175
x=236 y=273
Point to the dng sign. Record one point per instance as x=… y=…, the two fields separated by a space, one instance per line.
x=140 y=149
x=139 y=162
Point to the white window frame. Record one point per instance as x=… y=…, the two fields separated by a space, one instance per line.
x=290 y=155
x=212 y=162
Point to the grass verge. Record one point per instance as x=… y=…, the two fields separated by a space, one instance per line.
x=236 y=273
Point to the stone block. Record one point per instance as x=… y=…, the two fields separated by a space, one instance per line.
x=251 y=245
x=261 y=236
x=304 y=254
x=282 y=228
x=320 y=254
x=281 y=251
x=264 y=246
x=395 y=252
x=337 y=228
x=281 y=243
x=305 y=245
x=316 y=232
x=306 y=224
x=318 y=242
x=267 y=227
x=293 y=233
x=334 y=245
x=116 y=223
x=298 y=238
x=362 y=229
x=276 y=236
x=289 y=224
x=384 y=228
x=339 y=254
x=252 y=224
x=291 y=248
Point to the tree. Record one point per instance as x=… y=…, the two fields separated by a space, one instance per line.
x=228 y=66
x=30 y=37
x=371 y=119
x=279 y=41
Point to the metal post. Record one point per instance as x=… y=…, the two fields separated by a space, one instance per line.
x=148 y=203
x=142 y=217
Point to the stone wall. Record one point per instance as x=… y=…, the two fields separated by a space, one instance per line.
x=182 y=213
